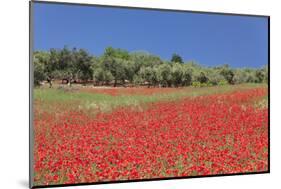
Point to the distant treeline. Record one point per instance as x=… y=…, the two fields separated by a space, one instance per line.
x=119 y=67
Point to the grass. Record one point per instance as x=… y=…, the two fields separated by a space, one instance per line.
x=85 y=100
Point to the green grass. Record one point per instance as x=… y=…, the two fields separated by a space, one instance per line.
x=86 y=100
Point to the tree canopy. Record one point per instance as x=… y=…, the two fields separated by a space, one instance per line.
x=176 y=58
x=120 y=67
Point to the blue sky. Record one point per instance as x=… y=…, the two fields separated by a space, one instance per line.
x=208 y=39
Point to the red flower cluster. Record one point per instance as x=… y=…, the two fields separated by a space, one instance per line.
x=214 y=134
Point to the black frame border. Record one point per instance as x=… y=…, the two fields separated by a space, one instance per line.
x=31 y=50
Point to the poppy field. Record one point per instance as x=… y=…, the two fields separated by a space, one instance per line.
x=86 y=135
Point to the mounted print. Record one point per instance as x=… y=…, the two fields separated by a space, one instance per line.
x=122 y=94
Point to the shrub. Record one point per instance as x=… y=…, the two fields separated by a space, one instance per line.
x=209 y=84
x=196 y=84
x=222 y=82
x=203 y=85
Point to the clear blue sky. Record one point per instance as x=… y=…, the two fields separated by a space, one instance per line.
x=207 y=39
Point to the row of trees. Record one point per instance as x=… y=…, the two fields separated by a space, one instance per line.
x=119 y=67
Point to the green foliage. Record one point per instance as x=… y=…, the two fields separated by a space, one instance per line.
x=164 y=75
x=177 y=58
x=223 y=82
x=71 y=65
x=240 y=76
x=102 y=77
x=40 y=67
x=209 y=84
x=265 y=69
x=118 y=66
x=202 y=78
x=260 y=75
x=82 y=63
x=116 y=53
x=148 y=75
x=196 y=84
x=137 y=80
x=39 y=74
x=177 y=74
x=227 y=73
x=214 y=77
x=186 y=75
x=203 y=85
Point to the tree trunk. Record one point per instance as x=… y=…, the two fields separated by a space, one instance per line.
x=50 y=84
x=115 y=82
x=69 y=82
